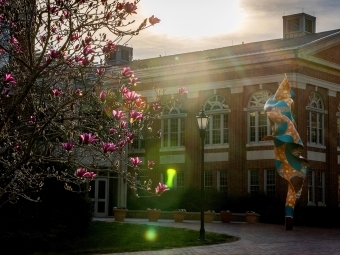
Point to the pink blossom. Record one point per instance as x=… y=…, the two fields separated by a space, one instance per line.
x=182 y=91
x=9 y=79
x=79 y=92
x=121 y=144
x=66 y=14
x=43 y=38
x=135 y=161
x=80 y=172
x=131 y=96
x=74 y=36
x=32 y=119
x=67 y=146
x=87 y=50
x=123 y=125
x=13 y=40
x=109 y=147
x=57 y=92
x=150 y=164
x=153 y=20
x=88 y=40
x=139 y=102
x=113 y=131
x=156 y=106
x=55 y=54
x=129 y=137
x=102 y=96
x=100 y=71
x=87 y=138
x=130 y=8
x=161 y=188
x=109 y=47
x=124 y=90
x=59 y=38
x=134 y=115
x=53 y=29
x=134 y=81
x=89 y=175
x=85 y=61
x=126 y=72
x=5 y=91
x=118 y=115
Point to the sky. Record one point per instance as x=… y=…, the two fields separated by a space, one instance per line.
x=194 y=25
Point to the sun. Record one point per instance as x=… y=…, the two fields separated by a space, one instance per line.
x=192 y=18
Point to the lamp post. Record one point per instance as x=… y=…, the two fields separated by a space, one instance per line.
x=202 y=121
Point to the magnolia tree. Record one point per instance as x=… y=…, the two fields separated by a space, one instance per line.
x=55 y=106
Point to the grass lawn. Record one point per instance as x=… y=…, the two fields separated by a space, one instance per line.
x=109 y=237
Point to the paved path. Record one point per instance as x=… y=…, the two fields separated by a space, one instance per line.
x=257 y=239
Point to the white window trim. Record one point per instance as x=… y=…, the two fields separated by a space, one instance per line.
x=257 y=141
x=211 y=179
x=323 y=202
x=211 y=114
x=219 y=181
x=265 y=180
x=180 y=121
x=249 y=178
x=312 y=203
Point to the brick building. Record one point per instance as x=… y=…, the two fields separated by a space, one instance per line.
x=232 y=85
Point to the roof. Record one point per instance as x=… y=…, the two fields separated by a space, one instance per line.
x=242 y=49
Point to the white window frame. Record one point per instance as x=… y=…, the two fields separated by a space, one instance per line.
x=205 y=179
x=216 y=105
x=316 y=106
x=177 y=179
x=220 y=186
x=311 y=187
x=249 y=181
x=255 y=108
x=266 y=185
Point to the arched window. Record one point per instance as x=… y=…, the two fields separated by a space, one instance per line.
x=217 y=109
x=315 y=120
x=258 y=123
x=173 y=126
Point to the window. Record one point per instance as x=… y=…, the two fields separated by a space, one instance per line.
x=258 y=123
x=309 y=26
x=208 y=179
x=315 y=120
x=270 y=181
x=222 y=184
x=321 y=188
x=138 y=141
x=180 y=179
x=311 y=194
x=293 y=25
x=253 y=182
x=173 y=126
x=217 y=109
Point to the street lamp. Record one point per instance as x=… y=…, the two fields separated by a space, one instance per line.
x=202 y=121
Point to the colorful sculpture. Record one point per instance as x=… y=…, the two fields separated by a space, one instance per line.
x=288 y=146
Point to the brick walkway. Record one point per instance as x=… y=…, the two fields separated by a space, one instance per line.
x=257 y=239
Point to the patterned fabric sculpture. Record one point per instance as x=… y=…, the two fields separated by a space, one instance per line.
x=288 y=145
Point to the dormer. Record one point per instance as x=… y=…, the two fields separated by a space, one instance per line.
x=122 y=56
x=297 y=25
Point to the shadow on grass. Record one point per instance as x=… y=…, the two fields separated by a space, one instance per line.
x=110 y=237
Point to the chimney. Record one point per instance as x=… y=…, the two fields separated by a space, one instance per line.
x=297 y=25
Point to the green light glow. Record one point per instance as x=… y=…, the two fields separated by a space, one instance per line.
x=151 y=235
x=171 y=175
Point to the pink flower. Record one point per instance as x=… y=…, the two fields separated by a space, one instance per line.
x=100 y=71
x=43 y=38
x=130 y=8
x=131 y=96
x=79 y=92
x=80 y=172
x=134 y=115
x=182 y=91
x=102 y=96
x=161 y=188
x=109 y=147
x=113 y=131
x=57 y=92
x=123 y=125
x=135 y=161
x=134 y=81
x=139 y=102
x=118 y=115
x=87 y=50
x=89 y=175
x=156 y=106
x=67 y=146
x=109 y=47
x=74 y=36
x=5 y=91
x=150 y=164
x=55 y=54
x=59 y=38
x=126 y=72
x=32 y=119
x=124 y=90
x=153 y=20
x=129 y=137
x=9 y=79
x=121 y=144
x=86 y=138
x=88 y=40
x=53 y=29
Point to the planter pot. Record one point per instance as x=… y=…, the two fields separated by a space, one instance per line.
x=252 y=217
x=226 y=216
x=119 y=214
x=153 y=215
x=208 y=217
x=179 y=216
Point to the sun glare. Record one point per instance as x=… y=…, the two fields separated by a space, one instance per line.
x=193 y=18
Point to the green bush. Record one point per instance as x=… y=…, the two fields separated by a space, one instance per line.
x=48 y=225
